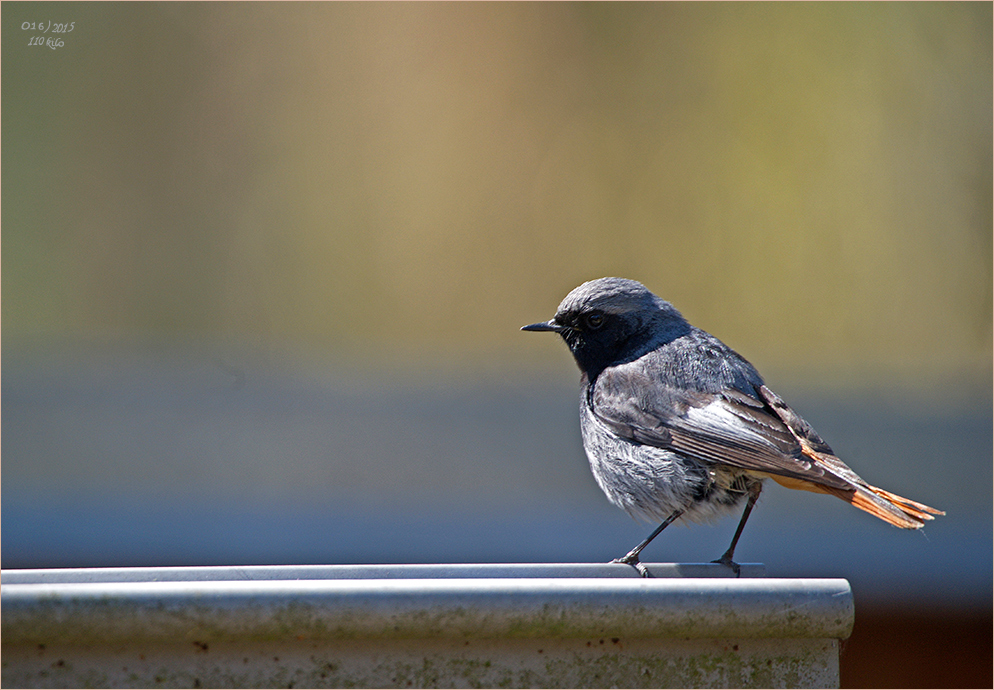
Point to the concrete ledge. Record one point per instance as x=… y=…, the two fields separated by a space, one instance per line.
x=477 y=607
x=71 y=629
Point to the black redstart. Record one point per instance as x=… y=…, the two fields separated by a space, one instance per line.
x=678 y=425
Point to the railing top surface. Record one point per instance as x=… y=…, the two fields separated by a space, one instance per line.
x=416 y=601
x=374 y=571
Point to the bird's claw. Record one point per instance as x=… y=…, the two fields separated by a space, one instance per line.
x=633 y=560
x=726 y=560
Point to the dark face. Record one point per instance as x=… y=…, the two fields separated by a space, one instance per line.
x=612 y=320
x=595 y=337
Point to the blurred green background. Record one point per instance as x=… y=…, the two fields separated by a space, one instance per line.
x=264 y=267
x=811 y=181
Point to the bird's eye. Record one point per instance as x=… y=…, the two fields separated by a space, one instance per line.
x=594 y=320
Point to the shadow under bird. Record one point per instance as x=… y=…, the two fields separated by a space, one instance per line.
x=678 y=425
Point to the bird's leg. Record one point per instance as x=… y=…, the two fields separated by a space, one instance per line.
x=726 y=558
x=632 y=557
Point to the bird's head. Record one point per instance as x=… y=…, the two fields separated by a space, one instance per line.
x=612 y=320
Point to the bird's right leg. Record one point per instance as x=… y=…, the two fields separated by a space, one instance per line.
x=632 y=557
x=726 y=558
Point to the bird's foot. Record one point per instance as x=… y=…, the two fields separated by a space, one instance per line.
x=632 y=559
x=726 y=559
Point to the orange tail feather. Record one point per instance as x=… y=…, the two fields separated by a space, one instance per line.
x=891 y=508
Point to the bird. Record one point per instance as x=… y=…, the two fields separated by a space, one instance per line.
x=678 y=426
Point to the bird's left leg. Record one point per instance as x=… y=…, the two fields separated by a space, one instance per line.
x=632 y=557
x=726 y=558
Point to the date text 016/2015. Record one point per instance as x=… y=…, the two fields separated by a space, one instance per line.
x=44 y=28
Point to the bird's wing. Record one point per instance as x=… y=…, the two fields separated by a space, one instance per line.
x=729 y=427
x=754 y=431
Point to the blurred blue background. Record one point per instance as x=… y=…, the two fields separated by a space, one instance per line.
x=265 y=265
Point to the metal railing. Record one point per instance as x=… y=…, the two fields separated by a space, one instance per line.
x=513 y=625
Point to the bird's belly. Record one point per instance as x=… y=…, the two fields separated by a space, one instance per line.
x=652 y=483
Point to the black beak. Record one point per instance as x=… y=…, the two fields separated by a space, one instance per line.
x=550 y=325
